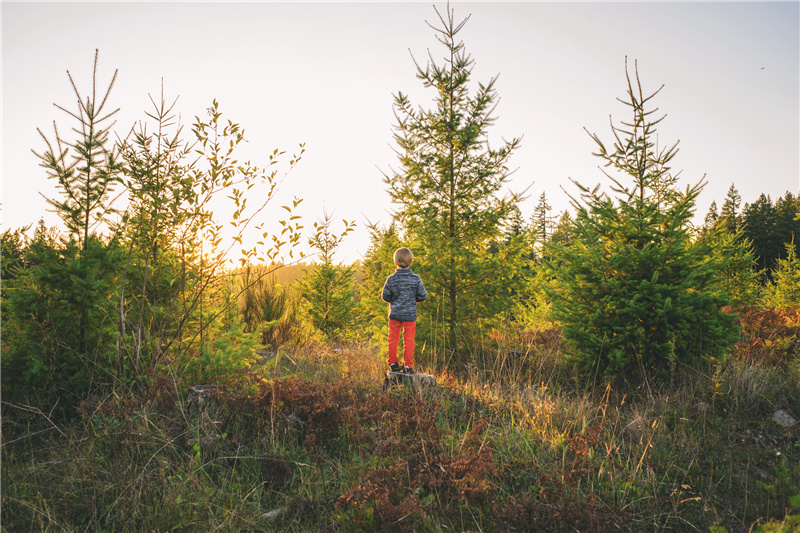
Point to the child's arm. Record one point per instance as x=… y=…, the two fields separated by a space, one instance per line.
x=386 y=293
x=422 y=294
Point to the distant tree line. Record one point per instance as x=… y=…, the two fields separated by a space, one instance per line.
x=767 y=225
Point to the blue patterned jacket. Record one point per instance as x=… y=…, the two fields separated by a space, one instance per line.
x=402 y=291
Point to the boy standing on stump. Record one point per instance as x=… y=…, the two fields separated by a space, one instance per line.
x=402 y=291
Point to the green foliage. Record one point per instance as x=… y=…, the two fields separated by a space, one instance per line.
x=12 y=253
x=542 y=223
x=157 y=181
x=790 y=525
x=222 y=175
x=562 y=235
x=225 y=356
x=787 y=225
x=87 y=311
x=269 y=308
x=759 y=227
x=738 y=282
x=770 y=226
x=533 y=302
x=328 y=290
x=59 y=330
x=633 y=290
x=785 y=289
x=515 y=225
x=783 y=493
x=448 y=192
x=177 y=258
x=711 y=217
x=60 y=305
x=158 y=227
x=533 y=306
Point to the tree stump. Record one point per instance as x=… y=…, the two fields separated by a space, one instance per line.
x=203 y=409
x=415 y=381
x=204 y=400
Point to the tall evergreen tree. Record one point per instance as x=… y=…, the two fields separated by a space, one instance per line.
x=787 y=225
x=515 y=226
x=85 y=170
x=758 y=226
x=633 y=292
x=541 y=219
x=729 y=216
x=448 y=190
x=711 y=217
x=562 y=235
x=156 y=176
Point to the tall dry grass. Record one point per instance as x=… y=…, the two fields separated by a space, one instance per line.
x=512 y=441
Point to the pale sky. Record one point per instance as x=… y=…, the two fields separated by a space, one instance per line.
x=325 y=74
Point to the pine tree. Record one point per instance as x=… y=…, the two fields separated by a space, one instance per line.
x=785 y=291
x=787 y=225
x=12 y=255
x=738 y=280
x=562 y=235
x=758 y=225
x=328 y=289
x=541 y=220
x=634 y=293
x=711 y=217
x=85 y=177
x=269 y=308
x=86 y=170
x=58 y=331
x=448 y=189
x=729 y=214
x=157 y=180
x=515 y=226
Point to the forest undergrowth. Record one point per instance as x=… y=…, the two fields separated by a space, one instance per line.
x=511 y=442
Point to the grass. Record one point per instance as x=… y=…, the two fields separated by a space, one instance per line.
x=513 y=442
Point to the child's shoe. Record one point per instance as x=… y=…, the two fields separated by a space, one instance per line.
x=408 y=370
x=394 y=367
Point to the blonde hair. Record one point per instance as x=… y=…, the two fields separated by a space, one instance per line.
x=403 y=257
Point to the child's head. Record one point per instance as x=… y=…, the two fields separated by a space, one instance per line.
x=403 y=257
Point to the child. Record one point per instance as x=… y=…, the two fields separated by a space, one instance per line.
x=402 y=291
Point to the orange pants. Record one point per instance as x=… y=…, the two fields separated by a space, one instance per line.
x=409 y=328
